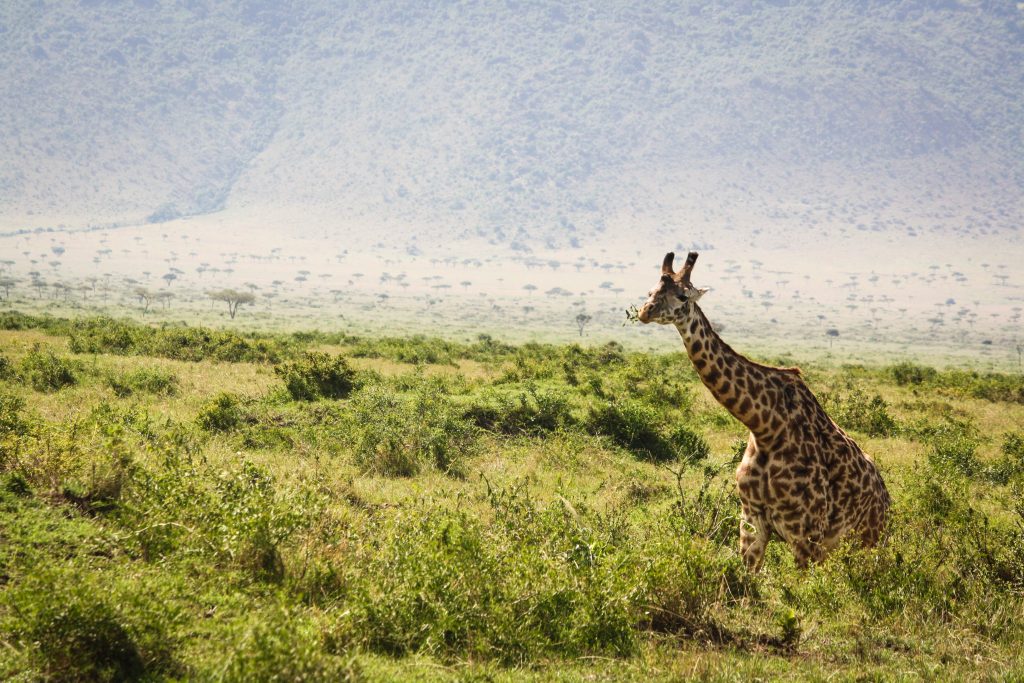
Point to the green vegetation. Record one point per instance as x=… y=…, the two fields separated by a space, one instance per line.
x=104 y=335
x=399 y=433
x=144 y=380
x=44 y=370
x=316 y=375
x=474 y=510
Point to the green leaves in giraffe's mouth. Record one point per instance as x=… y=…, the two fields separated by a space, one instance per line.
x=632 y=315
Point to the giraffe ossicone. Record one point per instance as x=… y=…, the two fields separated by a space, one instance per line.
x=801 y=477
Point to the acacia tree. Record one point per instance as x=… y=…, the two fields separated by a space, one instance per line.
x=233 y=298
x=143 y=296
x=832 y=334
x=164 y=298
x=581 y=321
x=6 y=283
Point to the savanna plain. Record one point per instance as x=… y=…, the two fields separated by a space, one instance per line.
x=190 y=503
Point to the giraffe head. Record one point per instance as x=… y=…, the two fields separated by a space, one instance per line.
x=673 y=299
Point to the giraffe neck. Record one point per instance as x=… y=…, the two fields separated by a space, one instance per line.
x=734 y=381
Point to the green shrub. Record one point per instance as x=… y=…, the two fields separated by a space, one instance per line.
x=144 y=380
x=13 y=320
x=7 y=370
x=46 y=371
x=633 y=425
x=258 y=434
x=84 y=461
x=12 y=421
x=416 y=349
x=530 y=362
x=910 y=373
x=223 y=413
x=575 y=356
x=197 y=343
x=711 y=511
x=860 y=412
x=512 y=409
x=530 y=582
x=684 y=579
x=956 y=547
x=257 y=521
x=888 y=580
x=1010 y=464
x=398 y=434
x=649 y=378
x=106 y=335
x=998 y=387
x=236 y=517
x=317 y=375
x=991 y=386
x=282 y=644
x=953 y=447
x=689 y=445
x=488 y=349
x=79 y=626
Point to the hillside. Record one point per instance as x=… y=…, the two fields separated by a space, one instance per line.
x=521 y=122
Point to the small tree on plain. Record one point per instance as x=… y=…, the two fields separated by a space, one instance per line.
x=233 y=298
x=832 y=334
x=164 y=298
x=6 y=283
x=144 y=297
x=61 y=289
x=581 y=321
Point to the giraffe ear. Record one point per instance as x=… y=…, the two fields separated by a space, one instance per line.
x=698 y=293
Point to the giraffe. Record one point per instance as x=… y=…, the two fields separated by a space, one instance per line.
x=801 y=477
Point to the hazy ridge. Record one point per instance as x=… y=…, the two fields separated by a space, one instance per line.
x=515 y=120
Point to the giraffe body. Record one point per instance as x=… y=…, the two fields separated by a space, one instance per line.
x=802 y=477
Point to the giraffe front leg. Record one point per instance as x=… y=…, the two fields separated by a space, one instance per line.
x=755 y=533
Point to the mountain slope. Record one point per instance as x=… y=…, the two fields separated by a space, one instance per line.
x=517 y=121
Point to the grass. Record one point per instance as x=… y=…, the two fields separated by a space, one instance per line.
x=428 y=510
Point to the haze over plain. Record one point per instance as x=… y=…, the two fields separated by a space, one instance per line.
x=413 y=166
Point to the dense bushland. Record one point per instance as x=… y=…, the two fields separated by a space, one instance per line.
x=563 y=508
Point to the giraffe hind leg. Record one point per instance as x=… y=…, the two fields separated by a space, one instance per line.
x=805 y=552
